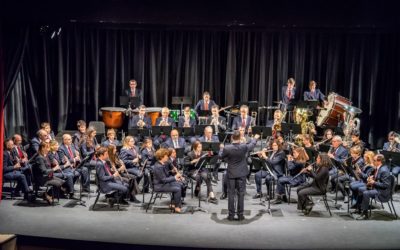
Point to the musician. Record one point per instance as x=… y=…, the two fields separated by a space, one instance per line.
x=109 y=181
x=355 y=141
x=111 y=139
x=309 y=148
x=205 y=104
x=356 y=160
x=41 y=136
x=46 y=126
x=288 y=92
x=235 y=156
x=78 y=136
x=197 y=173
x=328 y=134
x=60 y=170
x=186 y=121
x=44 y=174
x=393 y=145
x=174 y=141
x=148 y=154
x=12 y=169
x=313 y=94
x=20 y=155
x=164 y=181
x=89 y=143
x=174 y=169
x=339 y=154
x=244 y=120
x=208 y=135
x=133 y=91
x=217 y=121
x=73 y=156
x=130 y=156
x=128 y=179
x=317 y=186
x=362 y=175
x=379 y=185
x=296 y=163
x=278 y=118
x=276 y=161
x=141 y=120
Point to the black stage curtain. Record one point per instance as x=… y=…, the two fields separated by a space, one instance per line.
x=84 y=68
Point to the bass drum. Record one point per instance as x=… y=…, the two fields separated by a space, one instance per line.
x=334 y=110
x=113 y=117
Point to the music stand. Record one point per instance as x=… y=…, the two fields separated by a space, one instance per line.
x=264 y=132
x=259 y=164
x=211 y=146
x=324 y=148
x=290 y=129
x=392 y=157
x=204 y=159
x=141 y=132
x=82 y=163
x=307 y=104
x=199 y=129
x=202 y=115
x=161 y=130
x=184 y=131
x=181 y=100
x=180 y=154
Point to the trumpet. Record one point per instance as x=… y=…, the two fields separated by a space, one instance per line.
x=164 y=123
x=186 y=124
x=140 y=123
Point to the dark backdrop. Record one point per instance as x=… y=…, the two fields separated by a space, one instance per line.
x=85 y=67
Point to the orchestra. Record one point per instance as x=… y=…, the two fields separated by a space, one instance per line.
x=316 y=144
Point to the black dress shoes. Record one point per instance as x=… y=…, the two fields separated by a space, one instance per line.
x=363 y=216
x=257 y=196
x=241 y=217
x=134 y=200
x=123 y=202
x=230 y=218
x=223 y=196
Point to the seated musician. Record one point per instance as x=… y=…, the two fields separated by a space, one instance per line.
x=355 y=141
x=295 y=163
x=186 y=121
x=317 y=186
x=41 y=136
x=356 y=160
x=165 y=181
x=210 y=137
x=174 y=141
x=362 y=174
x=130 y=156
x=276 y=162
x=205 y=104
x=378 y=186
x=128 y=179
x=217 y=121
x=46 y=126
x=244 y=120
x=44 y=174
x=22 y=157
x=59 y=169
x=89 y=143
x=313 y=94
x=339 y=154
x=78 y=136
x=175 y=168
x=12 y=169
x=133 y=91
x=288 y=93
x=393 y=145
x=147 y=153
x=141 y=120
x=109 y=181
x=111 y=139
x=197 y=173
x=73 y=157
x=309 y=148
x=278 y=118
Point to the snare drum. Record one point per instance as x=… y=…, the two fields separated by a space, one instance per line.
x=334 y=110
x=113 y=117
x=153 y=113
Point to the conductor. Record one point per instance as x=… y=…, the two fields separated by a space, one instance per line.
x=235 y=156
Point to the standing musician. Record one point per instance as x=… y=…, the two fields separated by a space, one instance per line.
x=12 y=169
x=133 y=91
x=44 y=174
x=317 y=186
x=73 y=157
x=186 y=121
x=339 y=153
x=164 y=181
x=111 y=139
x=61 y=171
x=131 y=158
x=118 y=166
x=296 y=163
x=277 y=163
x=141 y=120
x=216 y=121
x=206 y=103
x=244 y=120
x=109 y=181
x=78 y=136
x=288 y=95
x=393 y=145
x=235 y=156
x=199 y=175
x=362 y=175
x=378 y=186
x=313 y=94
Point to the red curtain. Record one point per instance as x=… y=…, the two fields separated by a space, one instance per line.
x=1 y=116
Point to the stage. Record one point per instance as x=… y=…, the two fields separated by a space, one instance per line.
x=285 y=228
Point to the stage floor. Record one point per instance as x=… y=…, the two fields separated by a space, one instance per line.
x=284 y=228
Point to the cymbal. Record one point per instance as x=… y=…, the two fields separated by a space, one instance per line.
x=352 y=109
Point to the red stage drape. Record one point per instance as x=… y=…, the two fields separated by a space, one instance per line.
x=1 y=115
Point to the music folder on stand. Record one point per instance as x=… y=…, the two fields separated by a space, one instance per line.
x=289 y=129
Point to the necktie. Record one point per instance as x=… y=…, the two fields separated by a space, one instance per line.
x=20 y=154
x=70 y=152
x=290 y=93
x=376 y=173
x=206 y=106
x=107 y=169
x=175 y=143
x=133 y=93
x=243 y=122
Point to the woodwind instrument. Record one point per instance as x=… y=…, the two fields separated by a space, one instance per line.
x=261 y=151
x=369 y=181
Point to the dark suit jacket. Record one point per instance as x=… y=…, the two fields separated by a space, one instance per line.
x=387 y=144
x=181 y=122
x=321 y=178
x=103 y=177
x=127 y=155
x=237 y=122
x=41 y=169
x=86 y=150
x=149 y=156
x=200 y=105
x=161 y=176
x=214 y=138
x=285 y=99
x=135 y=119
x=8 y=165
x=313 y=96
x=138 y=93
x=235 y=156
x=277 y=163
x=366 y=171
x=341 y=154
x=169 y=144
x=35 y=142
x=169 y=120
x=65 y=151
x=382 y=183
x=107 y=142
x=221 y=125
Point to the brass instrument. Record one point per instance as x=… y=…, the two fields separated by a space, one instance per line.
x=369 y=180
x=164 y=122
x=186 y=124
x=140 y=123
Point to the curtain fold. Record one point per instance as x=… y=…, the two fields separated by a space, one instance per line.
x=73 y=75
